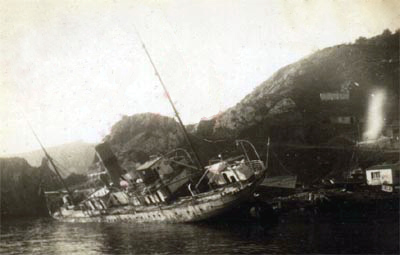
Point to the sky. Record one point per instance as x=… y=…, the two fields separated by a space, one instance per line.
x=73 y=68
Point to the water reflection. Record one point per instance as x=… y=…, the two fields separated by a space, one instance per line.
x=181 y=238
x=294 y=234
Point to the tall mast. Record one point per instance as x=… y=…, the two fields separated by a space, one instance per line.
x=53 y=165
x=185 y=133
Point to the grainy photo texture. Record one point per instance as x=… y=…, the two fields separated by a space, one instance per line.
x=199 y=127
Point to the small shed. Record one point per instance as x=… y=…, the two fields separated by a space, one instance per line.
x=387 y=174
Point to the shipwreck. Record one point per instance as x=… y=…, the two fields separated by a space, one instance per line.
x=174 y=187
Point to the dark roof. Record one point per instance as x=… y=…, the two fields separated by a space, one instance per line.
x=395 y=167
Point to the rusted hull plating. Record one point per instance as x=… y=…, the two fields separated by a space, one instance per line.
x=189 y=209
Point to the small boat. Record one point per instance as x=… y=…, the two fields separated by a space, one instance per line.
x=167 y=189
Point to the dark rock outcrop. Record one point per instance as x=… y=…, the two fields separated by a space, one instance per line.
x=133 y=139
x=22 y=187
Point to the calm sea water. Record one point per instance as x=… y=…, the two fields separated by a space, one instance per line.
x=293 y=234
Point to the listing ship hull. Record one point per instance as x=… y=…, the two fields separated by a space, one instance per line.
x=188 y=209
x=225 y=186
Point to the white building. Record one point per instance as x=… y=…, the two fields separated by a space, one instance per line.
x=386 y=175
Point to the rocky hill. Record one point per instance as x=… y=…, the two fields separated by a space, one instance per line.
x=291 y=99
x=314 y=110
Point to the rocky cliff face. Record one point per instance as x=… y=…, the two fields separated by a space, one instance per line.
x=133 y=139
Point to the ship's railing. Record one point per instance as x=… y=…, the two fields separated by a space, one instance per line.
x=242 y=143
x=256 y=165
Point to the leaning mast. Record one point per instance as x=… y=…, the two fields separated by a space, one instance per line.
x=187 y=138
x=53 y=165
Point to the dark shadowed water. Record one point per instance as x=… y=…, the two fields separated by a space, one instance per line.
x=293 y=234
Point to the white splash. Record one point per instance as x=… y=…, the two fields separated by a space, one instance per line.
x=375 y=118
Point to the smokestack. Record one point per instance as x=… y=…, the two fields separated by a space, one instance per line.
x=110 y=162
